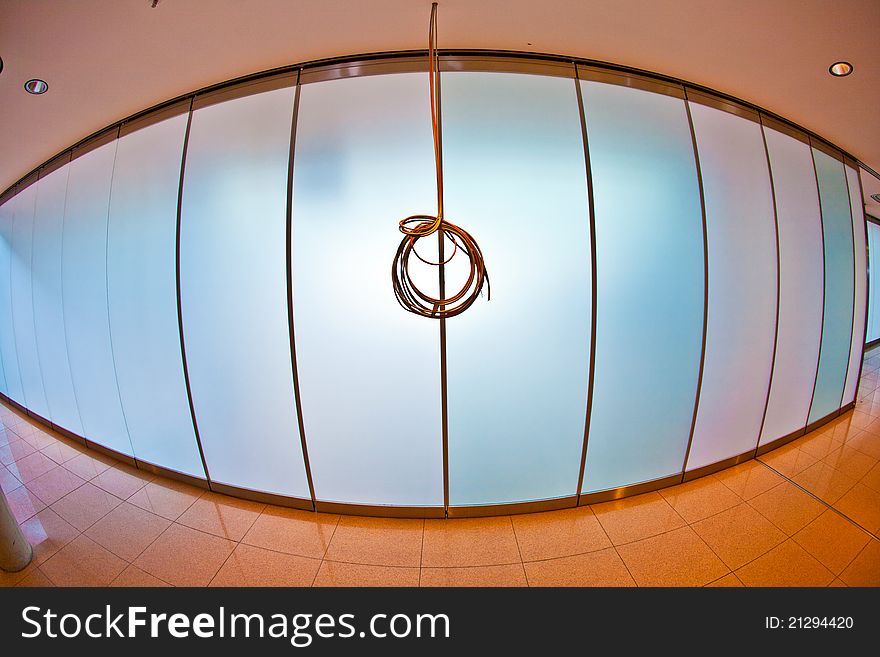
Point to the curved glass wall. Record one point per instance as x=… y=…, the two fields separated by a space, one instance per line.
x=676 y=281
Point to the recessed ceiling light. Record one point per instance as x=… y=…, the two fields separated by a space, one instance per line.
x=840 y=69
x=36 y=86
x=876 y=197
x=1 y=64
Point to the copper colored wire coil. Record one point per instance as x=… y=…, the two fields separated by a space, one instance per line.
x=417 y=226
x=408 y=294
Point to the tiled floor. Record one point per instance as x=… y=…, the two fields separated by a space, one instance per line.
x=806 y=514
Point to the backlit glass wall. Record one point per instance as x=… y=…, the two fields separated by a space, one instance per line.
x=874 y=276
x=649 y=278
x=212 y=287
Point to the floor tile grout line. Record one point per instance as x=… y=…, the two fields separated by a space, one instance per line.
x=818 y=499
x=522 y=564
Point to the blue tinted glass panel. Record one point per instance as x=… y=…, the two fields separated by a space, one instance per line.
x=861 y=285
x=800 y=285
x=23 y=302
x=838 y=316
x=142 y=291
x=649 y=305
x=233 y=285
x=369 y=371
x=517 y=364
x=84 y=285
x=741 y=243
x=48 y=306
x=12 y=379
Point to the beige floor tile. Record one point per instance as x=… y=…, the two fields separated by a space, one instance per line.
x=825 y=482
x=61 y=452
x=821 y=444
x=39 y=439
x=377 y=541
x=55 y=484
x=833 y=540
x=866 y=442
x=303 y=533
x=133 y=576
x=739 y=535
x=865 y=568
x=88 y=465
x=788 y=507
x=15 y=450
x=351 y=574
x=82 y=562
x=506 y=575
x=165 y=498
x=122 y=480
x=850 y=461
x=8 y=481
x=749 y=479
x=28 y=468
x=700 y=498
x=558 y=533
x=728 y=581
x=785 y=565
x=23 y=503
x=8 y=580
x=223 y=516
x=47 y=532
x=468 y=542
x=600 y=568
x=84 y=506
x=185 y=557
x=872 y=478
x=788 y=460
x=635 y=518
x=862 y=505
x=253 y=566
x=35 y=578
x=127 y=530
x=677 y=558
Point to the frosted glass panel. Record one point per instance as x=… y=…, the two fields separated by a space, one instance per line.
x=838 y=317
x=518 y=364
x=142 y=292
x=48 y=307
x=84 y=280
x=741 y=246
x=23 y=302
x=861 y=285
x=369 y=371
x=233 y=286
x=12 y=379
x=873 y=281
x=800 y=285
x=649 y=305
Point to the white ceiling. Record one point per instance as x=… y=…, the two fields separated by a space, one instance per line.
x=106 y=59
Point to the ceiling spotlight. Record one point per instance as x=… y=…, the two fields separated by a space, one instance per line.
x=840 y=69
x=36 y=86
x=1 y=64
x=876 y=197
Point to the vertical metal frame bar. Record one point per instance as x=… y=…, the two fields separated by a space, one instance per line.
x=778 y=282
x=12 y=302
x=591 y=218
x=824 y=281
x=189 y=397
x=33 y=307
x=705 y=283
x=444 y=390
x=290 y=312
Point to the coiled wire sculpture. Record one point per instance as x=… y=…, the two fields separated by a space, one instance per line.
x=418 y=226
